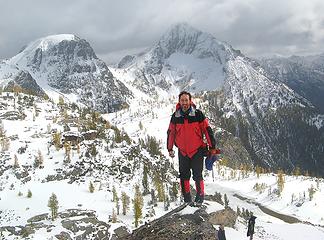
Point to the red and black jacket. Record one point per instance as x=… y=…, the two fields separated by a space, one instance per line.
x=186 y=131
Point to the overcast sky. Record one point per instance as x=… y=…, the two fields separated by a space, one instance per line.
x=113 y=28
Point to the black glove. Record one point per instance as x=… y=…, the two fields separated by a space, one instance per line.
x=171 y=153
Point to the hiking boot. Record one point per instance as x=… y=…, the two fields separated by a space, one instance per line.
x=199 y=198
x=187 y=197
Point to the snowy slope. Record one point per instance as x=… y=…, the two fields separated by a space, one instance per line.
x=154 y=117
x=268 y=227
x=304 y=74
x=113 y=166
x=248 y=87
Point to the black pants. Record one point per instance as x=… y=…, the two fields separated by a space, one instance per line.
x=185 y=165
x=195 y=163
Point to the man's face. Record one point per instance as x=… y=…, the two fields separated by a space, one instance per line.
x=184 y=102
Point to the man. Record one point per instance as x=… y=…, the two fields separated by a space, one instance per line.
x=187 y=128
x=221 y=233
x=251 y=224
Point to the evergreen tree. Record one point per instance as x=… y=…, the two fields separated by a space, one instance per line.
x=226 y=201
x=145 y=180
x=117 y=205
x=2 y=134
x=93 y=151
x=114 y=216
x=78 y=148
x=153 y=146
x=67 y=147
x=91 y=187
x=280 y=181
x=125 y=203
x=29 y=194
x=166 y=203
x=258 y=171
x=174 y=191
x=16 y=163
x=311 y=192
x=49 y=128
x=140 y=125
x=53 y=205
x=159 y=187
x=57 y=140
x=292 y=198
x=40 y=158
x=5 y=143
x=138 y=205
x=115 y=196
x=61 y=102
x=153 y=198
x=238 y=211
x=297 y=171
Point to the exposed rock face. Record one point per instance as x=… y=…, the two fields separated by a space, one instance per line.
x=198 y=225
x=26 y=83
x=83 y=224
x=78 y=224
x=193 y=226
x=126 y=61
x=227 y=217
x=12 y=115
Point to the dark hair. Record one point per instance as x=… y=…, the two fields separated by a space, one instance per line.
x=186 y=93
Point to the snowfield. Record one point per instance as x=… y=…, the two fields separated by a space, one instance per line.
x=154 y=116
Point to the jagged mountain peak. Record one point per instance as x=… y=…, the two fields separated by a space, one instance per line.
x=60 y=44
x=182 y=28
x=183 y=58
x=186 y=39
x=66 y=64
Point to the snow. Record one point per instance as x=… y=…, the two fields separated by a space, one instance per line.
x=154 y=116
x=153 y=113
x=270 y=227
x=41 y=43
x=205 y=73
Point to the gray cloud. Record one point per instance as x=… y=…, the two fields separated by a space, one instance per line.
x=256 y=27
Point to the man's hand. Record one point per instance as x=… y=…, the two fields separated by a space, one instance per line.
x=214 y=151
x=171 y=154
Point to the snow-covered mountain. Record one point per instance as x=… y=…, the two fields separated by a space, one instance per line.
x=273 y=122
x=67 y=65
x=185 y=58
x=305 y=75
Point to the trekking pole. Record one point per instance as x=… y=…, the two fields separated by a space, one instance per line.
x=213 y=174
